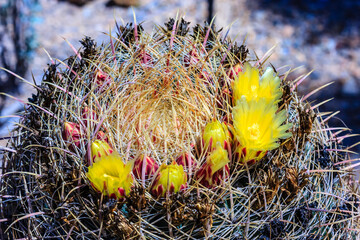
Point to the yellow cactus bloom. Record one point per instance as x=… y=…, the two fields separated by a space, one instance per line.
x=216 y=132
x=110 y=176
x=248 y=84
x=257 y=128
x=170 y=179
x=270 y=86
x=216 y=168
x=100 y=148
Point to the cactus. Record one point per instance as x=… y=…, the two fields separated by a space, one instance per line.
x=269 y=168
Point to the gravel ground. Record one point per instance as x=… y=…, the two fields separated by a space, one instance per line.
x=62 y=20
x=332 y=57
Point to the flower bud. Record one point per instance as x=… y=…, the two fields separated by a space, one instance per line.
x=170 y=179
x=187 y=162
x=147 y=165
x=99 y=149
x=102 y=81
x=100 y=77
x=101 y=136
x=234 y=71
x=72 y=134
x=216 y=132
x=110 y=176
x=88 y=116
x=216 y=168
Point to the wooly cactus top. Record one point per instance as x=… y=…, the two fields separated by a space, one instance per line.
x=178 y=134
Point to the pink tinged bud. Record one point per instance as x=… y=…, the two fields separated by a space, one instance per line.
x=102 y=80
x=183 y=187
x=215 y=170
x=170 y=179
x=187 y=162
x=158 y=191
x=72 y=134
x=99 y=149
x=101 y=136
x=221 y=175
x=100 y=77
x=148 y=166
x=88 y=116
x=234 y=71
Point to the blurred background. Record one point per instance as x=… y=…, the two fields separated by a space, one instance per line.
x=320 y=35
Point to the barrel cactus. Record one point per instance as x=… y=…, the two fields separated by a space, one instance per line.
x=178 y=134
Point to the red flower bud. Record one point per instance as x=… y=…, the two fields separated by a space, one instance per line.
x=187 y=162
x=101 y=136
x=88 y=116
x=72 y=134
x=234 y=71
x=216 y=169
x=102 y=80
x=100 y=77
x=147 y=165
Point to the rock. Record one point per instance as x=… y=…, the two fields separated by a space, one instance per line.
x=126 y=3
x=350 y=87
x=79 y=2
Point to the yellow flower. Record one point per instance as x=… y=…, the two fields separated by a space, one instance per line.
x=270 y=86
x=110 y=176
x=216 y=132
x=257 y=128
x=248 y=84
x=170 y=179
x=100 y=148
x=216 y=168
